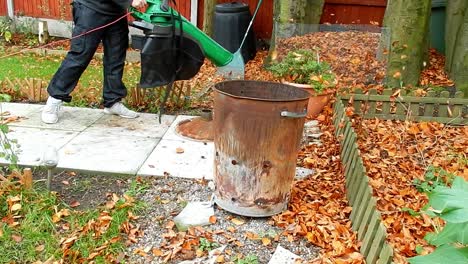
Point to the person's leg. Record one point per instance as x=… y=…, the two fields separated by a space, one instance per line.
x=115 y=42
x=81 y=52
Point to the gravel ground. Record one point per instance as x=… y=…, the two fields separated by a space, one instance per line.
x=168 y=196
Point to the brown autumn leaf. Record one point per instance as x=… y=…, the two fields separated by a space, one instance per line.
x=40 y=248
x=17 y=238
x=212 y=219
x=110 y=205
x=251 y=235
x=180 y=150
x=237 y=221
x=74 y=204
x=266 y=241
x=157 y=252
x=220 y=259
x=15 y=207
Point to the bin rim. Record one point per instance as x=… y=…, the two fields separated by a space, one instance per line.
x=232 y=7
x=305 y=95
x=439 y=3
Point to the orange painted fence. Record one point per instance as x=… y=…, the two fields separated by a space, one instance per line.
x=353 y=11
x=334 y=11
x=3 y=8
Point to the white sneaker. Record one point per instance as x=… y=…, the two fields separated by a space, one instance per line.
x=120 y=110
x=50 y=112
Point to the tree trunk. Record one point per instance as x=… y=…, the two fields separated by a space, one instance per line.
x=296 y=17
x=409 y=25
x=208 y=14
x=456 y=41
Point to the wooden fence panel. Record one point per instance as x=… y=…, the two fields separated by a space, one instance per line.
x=334 y=12
x=353 y=11
x=3 y=8
x=56 y=9
x=397 y=105
x=365 y=218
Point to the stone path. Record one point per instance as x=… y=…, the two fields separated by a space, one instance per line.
x=89 y=140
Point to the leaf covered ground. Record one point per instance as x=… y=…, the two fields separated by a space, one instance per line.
x=403 y=160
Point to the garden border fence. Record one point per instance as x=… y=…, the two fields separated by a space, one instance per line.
x=391 y=105
x=35 y=90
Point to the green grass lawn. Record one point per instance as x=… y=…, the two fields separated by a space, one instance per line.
x=89 y=88
x=37 y=225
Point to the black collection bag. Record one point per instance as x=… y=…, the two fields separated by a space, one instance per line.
x=169 y=57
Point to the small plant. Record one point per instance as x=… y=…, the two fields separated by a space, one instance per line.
x=206 y=245
x=450 y=204
x=432 y=178
x=7 y=146
x=5 y=28
x=249 y=259
x=304 y=67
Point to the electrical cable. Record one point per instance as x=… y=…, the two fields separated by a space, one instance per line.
x=64 y=40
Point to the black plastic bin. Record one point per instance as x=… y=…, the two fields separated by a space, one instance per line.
x=231 y=21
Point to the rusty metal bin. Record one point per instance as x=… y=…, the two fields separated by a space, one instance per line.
x=258 y=128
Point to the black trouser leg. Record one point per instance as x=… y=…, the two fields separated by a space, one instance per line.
x=82 y=50
x=115 y=42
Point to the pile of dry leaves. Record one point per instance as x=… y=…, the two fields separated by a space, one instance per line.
x=319 y=210
x=352 y=55
x=396 y=153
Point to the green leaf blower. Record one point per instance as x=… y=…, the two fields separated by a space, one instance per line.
x=174 y=49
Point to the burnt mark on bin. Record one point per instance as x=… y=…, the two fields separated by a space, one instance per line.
x=265 y=203
x=234 y=162
x=266 y=166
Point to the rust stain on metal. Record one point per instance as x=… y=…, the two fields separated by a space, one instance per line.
x=256 y=148
x=197 y=128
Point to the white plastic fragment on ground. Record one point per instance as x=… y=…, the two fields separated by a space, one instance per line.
x=283 y=256
x=302 y=172
x=194 y=214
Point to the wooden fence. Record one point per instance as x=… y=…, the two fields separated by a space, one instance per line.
x=334 y=11
x=3 y=8
x=35 y=90
x=391 y=105
x=365 y=217
x=354 y=11
x=400 y=105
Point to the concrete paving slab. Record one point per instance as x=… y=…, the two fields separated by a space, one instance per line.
x=196 y=161
x=146 y=125
x=71 y=118
x=34 y=141
x=17 y=109
x=101 y=152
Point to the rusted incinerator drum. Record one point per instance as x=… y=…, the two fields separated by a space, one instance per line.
x=257 y=133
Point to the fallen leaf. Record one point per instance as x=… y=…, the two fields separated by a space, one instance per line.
x=15 y=207
x=180 y=150
x=157 y=252
x=17 y=238
x=237 y=221
x=74 y=204
x=40 y=248
x=266 y=241
x=212 y=219
x=220 y=259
